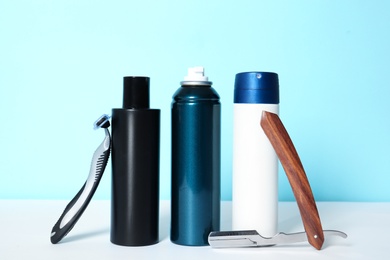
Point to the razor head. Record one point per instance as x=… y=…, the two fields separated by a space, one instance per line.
x=102 y=122
x=242 y=238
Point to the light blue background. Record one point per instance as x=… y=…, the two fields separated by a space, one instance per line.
x=62 y=63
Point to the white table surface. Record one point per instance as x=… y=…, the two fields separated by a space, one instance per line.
x=25 y=229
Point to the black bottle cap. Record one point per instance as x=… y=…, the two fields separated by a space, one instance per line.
x=135 y=92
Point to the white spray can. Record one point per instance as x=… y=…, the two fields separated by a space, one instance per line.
x=255 y=163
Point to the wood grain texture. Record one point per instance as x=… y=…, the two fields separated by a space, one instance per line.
x=288 y=156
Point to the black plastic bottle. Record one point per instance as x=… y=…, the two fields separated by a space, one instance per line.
x=196 y=141
x=135 y=167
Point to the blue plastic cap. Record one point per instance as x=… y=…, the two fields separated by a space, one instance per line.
x=256 y=88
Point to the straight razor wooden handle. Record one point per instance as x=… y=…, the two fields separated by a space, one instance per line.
x=288 y=156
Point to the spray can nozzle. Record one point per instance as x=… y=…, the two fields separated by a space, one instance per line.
x=195 y=76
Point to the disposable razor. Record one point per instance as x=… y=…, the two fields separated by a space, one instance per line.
x=79 y=203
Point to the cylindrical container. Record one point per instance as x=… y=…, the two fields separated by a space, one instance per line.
x=135 y=167
x=196 y=145
x=255 y=163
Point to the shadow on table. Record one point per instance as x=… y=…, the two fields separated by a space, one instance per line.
x=72 y=238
